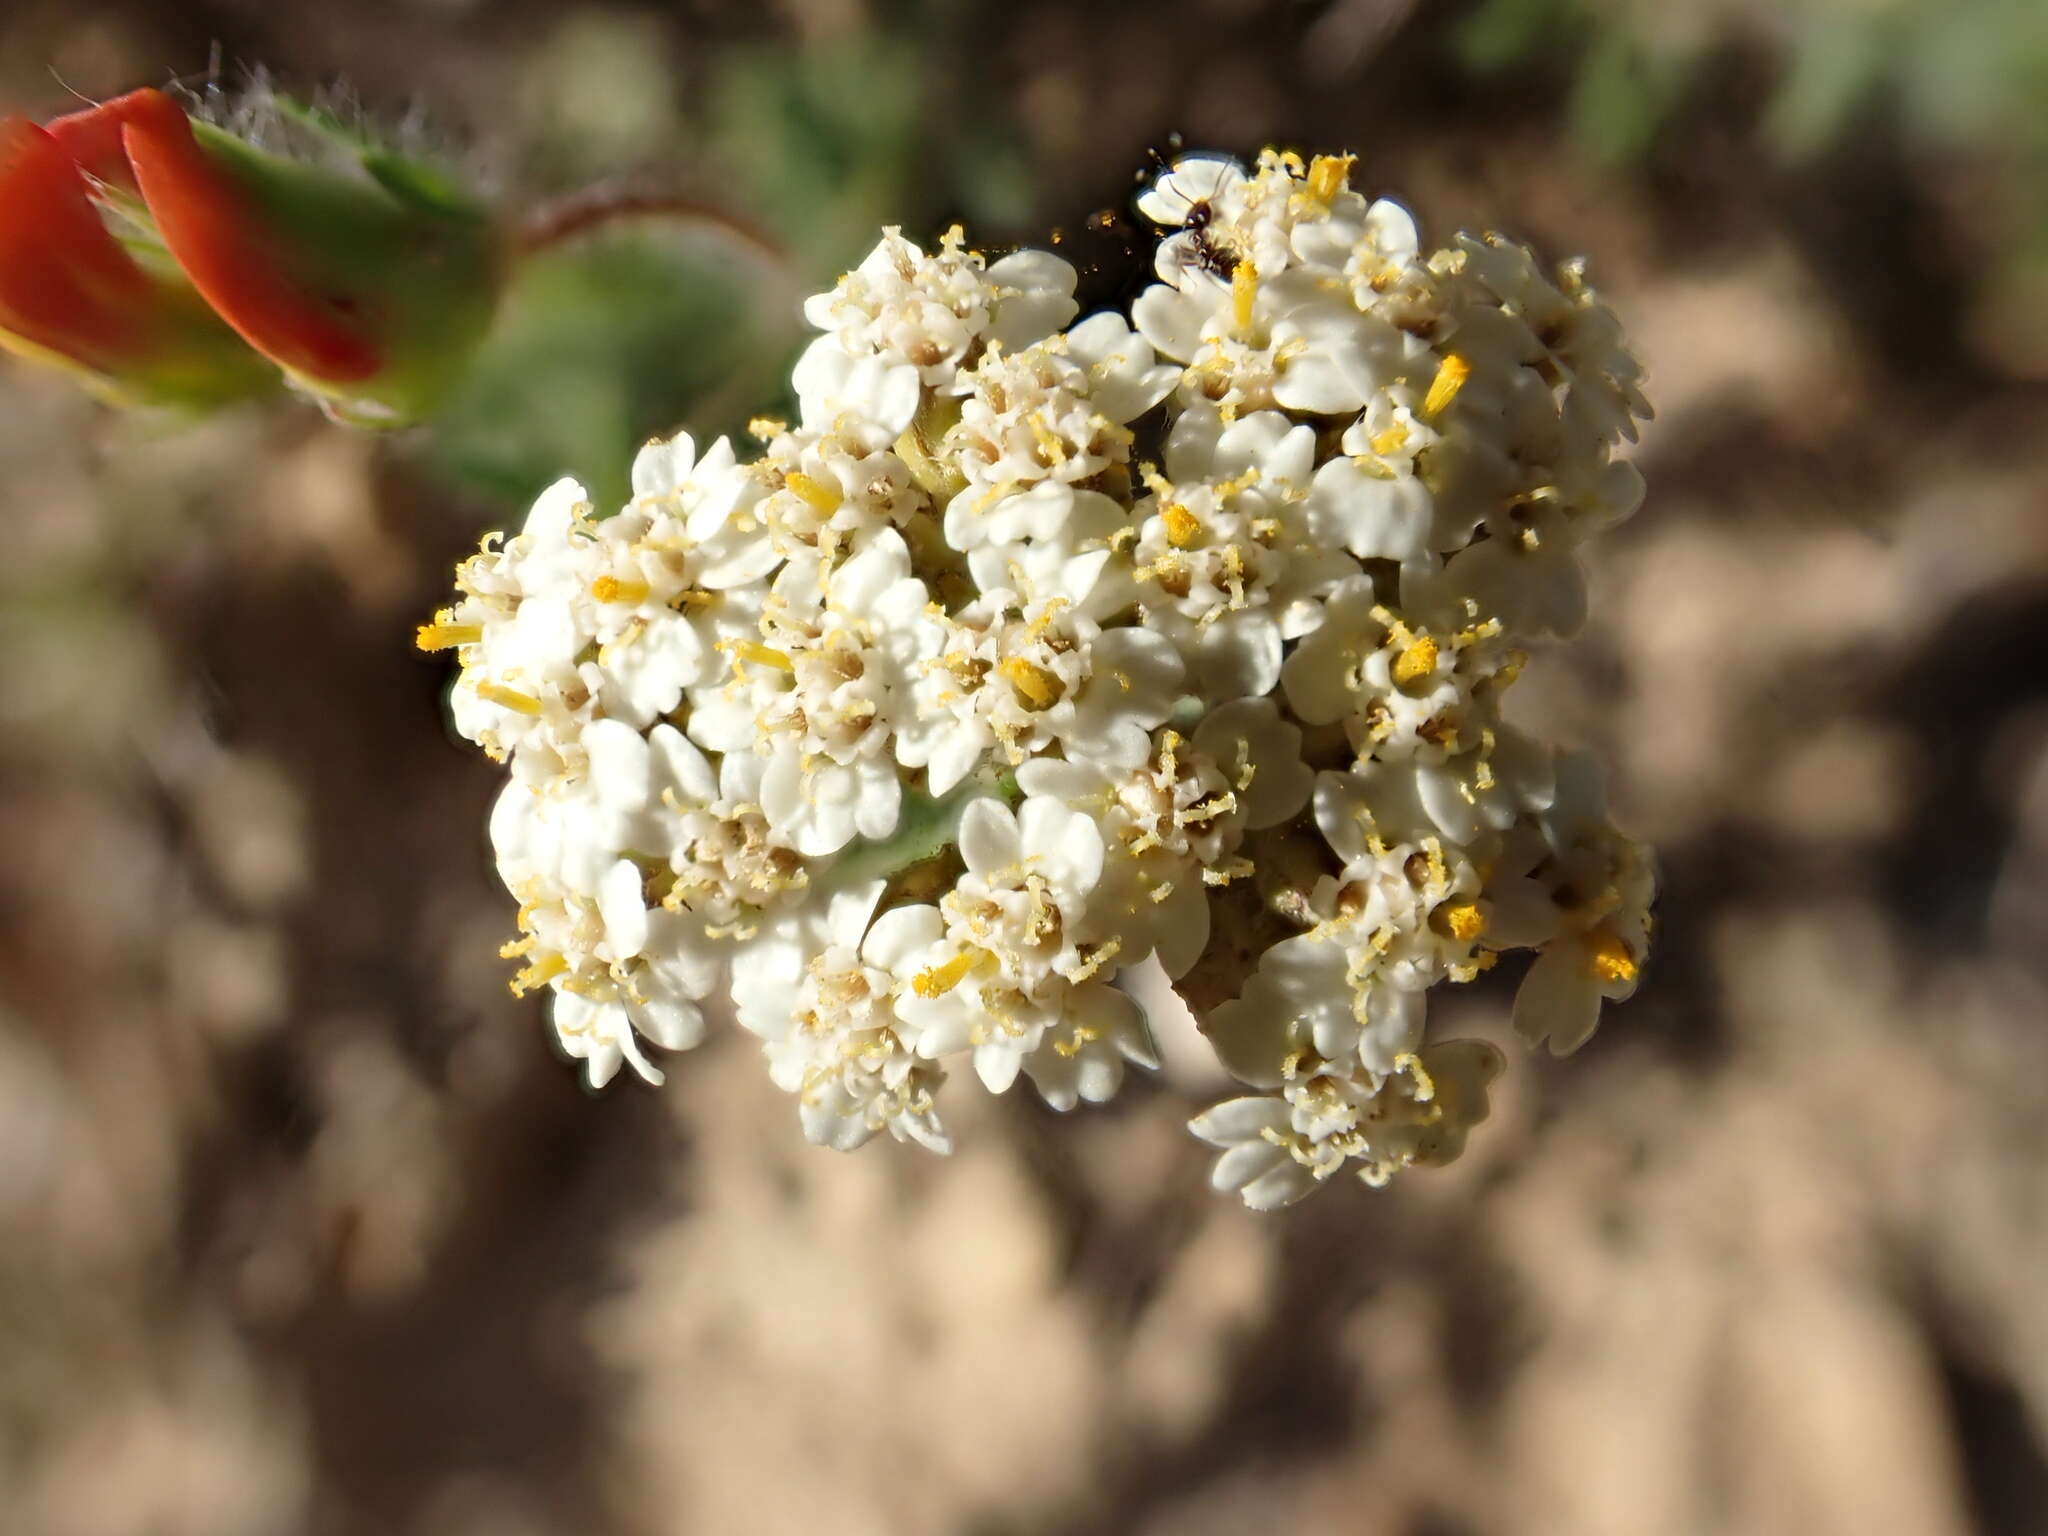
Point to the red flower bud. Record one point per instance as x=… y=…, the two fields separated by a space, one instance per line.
x=72 y=293
x=367 y=279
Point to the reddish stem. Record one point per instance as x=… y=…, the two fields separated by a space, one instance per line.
x=580 y=213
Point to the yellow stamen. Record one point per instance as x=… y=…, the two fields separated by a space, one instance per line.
x=1047 y=617
x=1182 y=526
x=1465 y=920
x=1611 y=959
x=508 y=698
x=1327 y=175
x=1451 y=375
x=938 y=980
x=1083 y=1036
x=821 y=497
x=1040 y=688
x=1417 y=660
x=766 y=427
x=615 y=589
x=1100 y=956
x=440 y=636
x=761 y=655
x=1206 y=810
x=1425 y=1085
x=538 y=974
x=1244 y=291
x=1391 y=440
x=1049 y=445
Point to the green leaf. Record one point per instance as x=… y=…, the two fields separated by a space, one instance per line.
x=925 y=829
x=1622 y=98
x=603 y=343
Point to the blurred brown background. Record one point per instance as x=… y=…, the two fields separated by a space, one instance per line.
x=304 y=1229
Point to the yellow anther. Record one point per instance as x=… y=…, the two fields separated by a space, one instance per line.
x=1327 y=175
x=1182 y=526
x=818 y=495
x=1425 y=1085
x=508 y=698
x=539 y=974
x=1048 y=615
x=1451 y=375
x=1611 y=958
x=1083 y=1036
x=1244 y=291
x=1100 y=956
x=938 y=980
x=766 y=427
x=443 y=637
x=619 y=589
x=1049 y=445
x=1206 y=810
x=1464 y=919
x=761 y=655
x=1392 y=440
x=1039 y=687
x=1417 y=660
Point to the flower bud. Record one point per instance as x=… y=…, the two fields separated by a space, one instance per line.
x=112 y=309
x=139 y=237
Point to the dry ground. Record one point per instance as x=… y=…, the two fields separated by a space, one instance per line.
x=302 y=1228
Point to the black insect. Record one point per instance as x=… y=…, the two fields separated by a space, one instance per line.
x=1215 y=258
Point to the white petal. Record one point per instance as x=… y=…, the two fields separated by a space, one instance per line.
x=997 y=1065
x=1236 y=1120
x=663 y=464
x=900 y=934
x=680 y=766
x=619 y=762
x=1067 y=844
x=670 y=1023
x=1244 y=1163
x=1394 y=1026
x=988 y=837
x=1170 y=320
x=1282 y=1187
x=622 y=904
x=554 y=512
x=1559 y=999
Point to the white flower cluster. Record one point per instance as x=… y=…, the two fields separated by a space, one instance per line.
x=977 y=685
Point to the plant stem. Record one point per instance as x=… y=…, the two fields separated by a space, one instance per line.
x=569 y=218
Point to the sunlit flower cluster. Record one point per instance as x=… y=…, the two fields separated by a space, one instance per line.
x=1036 y=638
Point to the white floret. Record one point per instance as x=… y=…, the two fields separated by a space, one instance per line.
x=1036 y=650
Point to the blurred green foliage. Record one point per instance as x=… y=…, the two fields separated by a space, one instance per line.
x=1962 y=77
x=599 y=346
x=655 y=324
x=659 y=322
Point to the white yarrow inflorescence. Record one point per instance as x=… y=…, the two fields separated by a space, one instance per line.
x=1039 y=644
